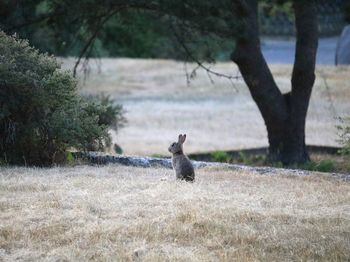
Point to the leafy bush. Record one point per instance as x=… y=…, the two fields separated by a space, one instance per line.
x=41 y=114
x=344 y=135
x=112 y=115
x=108 y=113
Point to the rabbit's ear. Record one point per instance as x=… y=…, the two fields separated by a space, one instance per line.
x=182 y=138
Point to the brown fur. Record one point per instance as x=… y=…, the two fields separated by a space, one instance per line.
x=181 y=164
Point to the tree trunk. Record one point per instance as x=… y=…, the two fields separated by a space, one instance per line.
x=303 y=78
x=284 y=115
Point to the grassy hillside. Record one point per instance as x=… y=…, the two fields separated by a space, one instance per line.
x=125 y=213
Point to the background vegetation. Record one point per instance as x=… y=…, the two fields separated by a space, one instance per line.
x=129 y=33
x=134 y=32
x=41 y=114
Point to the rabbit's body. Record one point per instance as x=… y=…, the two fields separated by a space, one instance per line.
x=181 y=164
x=183 y=167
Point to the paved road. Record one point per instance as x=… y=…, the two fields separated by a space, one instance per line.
x=282 y=51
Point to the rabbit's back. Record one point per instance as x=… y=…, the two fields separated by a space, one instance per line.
x=183 y=167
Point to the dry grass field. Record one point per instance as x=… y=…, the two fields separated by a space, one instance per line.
x=216 y=116
x=116 y=213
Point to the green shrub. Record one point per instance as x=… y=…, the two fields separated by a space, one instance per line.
x=41 y=114
x=109 y=114
x=112 y=114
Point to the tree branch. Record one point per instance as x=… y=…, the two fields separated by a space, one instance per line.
x=328 y=93
x=35 y=21
x=92 y=38
x=200 y=64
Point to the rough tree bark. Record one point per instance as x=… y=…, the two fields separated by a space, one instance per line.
x=284 y=114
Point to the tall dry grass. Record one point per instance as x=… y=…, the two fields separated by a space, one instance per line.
x=119 y=213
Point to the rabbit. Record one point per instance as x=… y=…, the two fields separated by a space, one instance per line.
x=181 y=164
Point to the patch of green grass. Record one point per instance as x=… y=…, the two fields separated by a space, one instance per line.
x=221 y=156
x=320 y=162
x=325 y=165
x=251 y=159
x=70 y=158
x=157 y=155
x=277 y=164
x=244 y=158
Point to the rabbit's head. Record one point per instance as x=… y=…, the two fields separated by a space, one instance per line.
x=176 y=147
